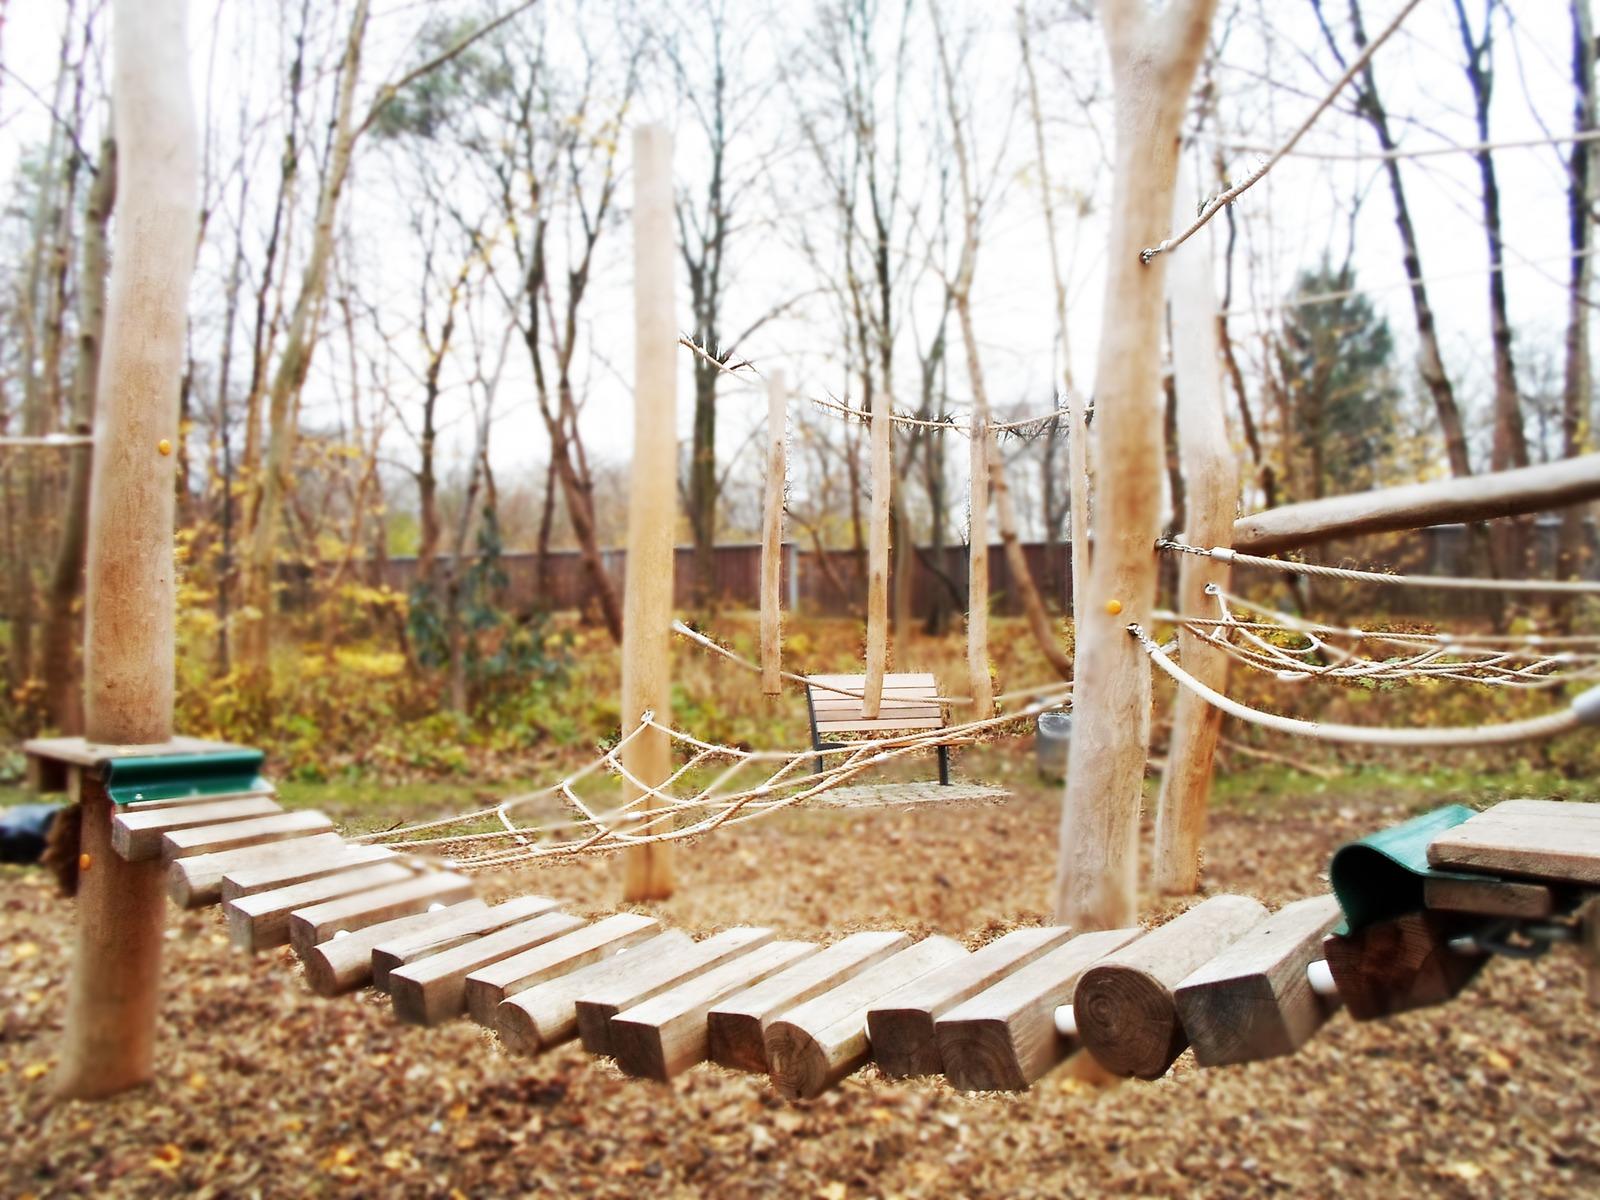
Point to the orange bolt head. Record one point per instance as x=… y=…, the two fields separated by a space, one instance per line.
x=1113 y=607
x=85 y=860
x=165 y=447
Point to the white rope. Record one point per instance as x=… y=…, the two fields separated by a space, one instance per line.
x=1585 y=710
x=1455 y=582
x=1226 y=197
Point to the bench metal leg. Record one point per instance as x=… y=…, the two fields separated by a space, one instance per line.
x=944 y=766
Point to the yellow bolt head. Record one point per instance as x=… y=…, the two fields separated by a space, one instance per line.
x=84 y=861
x=164 y=446
x=1113 y=607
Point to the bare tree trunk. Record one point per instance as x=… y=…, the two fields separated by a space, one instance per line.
x=62 y=693
x=112 y=1000
x=1578 y=384
x=1153 y=62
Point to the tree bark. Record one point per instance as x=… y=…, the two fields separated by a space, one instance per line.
x=112 y=999
x=1153 y=62
x=1578 y=381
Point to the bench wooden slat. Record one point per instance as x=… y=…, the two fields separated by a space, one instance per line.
x=880 y=726
x=892 y=680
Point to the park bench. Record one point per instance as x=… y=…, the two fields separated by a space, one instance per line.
x=910 y=702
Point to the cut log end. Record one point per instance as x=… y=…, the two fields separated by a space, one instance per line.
x=979 y=1056
x=798 y=1065
x=1128 y=1021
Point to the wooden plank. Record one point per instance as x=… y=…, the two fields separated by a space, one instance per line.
x=815 y=1045
x=137 y=835
x=343 y=963
x=883 y=726
x=1397 y=965
x=134 y=806
x=597 y=1006
x=294 y=869
x=1564 y=850
x=1004 y=1038
x=666 y=1035
x=1579 y=810
x=894 y=679
x=1253 y=1000
x=1123 y=1004
x=489 y=985
x=81 y=752
x=887 y=712
x=434 y=989
x=980 y=681
x=261 y=921
x=1489 y=897
x=901 y=1025
x=736 y=1026
x=546 y=1014
x=312 y=926
x=214 y=839
x=397 y=952
x=196 y=881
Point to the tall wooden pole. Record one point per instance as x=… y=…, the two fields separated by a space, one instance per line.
x=772 y=537
x=1211 y=491
x=1153 y=59
x=653 y=496
x=978 y=571
x=882 y=429
x=109 y=1040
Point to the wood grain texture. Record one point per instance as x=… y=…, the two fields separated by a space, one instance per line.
x=901 y=1025
x=434 y=989
x=599 y=1004
x=979 y=679
x=881 y=471
x=1540 y=845
x=196 y=881
x=1005 y=1038
x=343 y=964
x=214 y=839
x=1489 y=897
x=137 y=835
x=546 y=1014
x=1124 y=1005
x=666 y=1035
x=815 y=1045
x=293 y=868
x=488 y=986
x=1253 y=1001
x=261 y=921
x=736 y=1025
x=312 y=926
x=772 y=537
x=139 y=806
x=1397 y=965
x=437 y=938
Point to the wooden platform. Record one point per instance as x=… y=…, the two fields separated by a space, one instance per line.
x=884 y=795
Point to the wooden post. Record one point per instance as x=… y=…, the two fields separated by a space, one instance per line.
x=878 y=557
x=653 y=497
x=1153 y=60
x=772 y=537
x=112 y=1000
x=978 y=572
x=1211 y=487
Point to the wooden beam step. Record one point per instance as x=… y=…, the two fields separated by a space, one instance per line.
x=901 y=1025
x=546 y=1014
x=814 y=1046
x=196 y=881
x=488 y=986
x=666 y=1035
x=1123 y=1004
x=261 y=921
x=134 y=806
x=312 y=926
x=1561 y=848
x=214 y=839
x=1005 y=1037
x=136 y=836
x=597 y=1006
x=291 y=869
x=344 y=963
x=1488 y=896
x=1396 y=965
x=434 y=989
x=1253 y=1000
x=737 y=1025
x=437 y=938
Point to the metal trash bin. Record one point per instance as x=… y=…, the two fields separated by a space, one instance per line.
x=1052 y=741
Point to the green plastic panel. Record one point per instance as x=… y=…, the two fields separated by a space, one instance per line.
x=1382 y=875
x=176 y=776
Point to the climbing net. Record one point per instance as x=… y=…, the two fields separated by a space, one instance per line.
x=712 y=786
x=1296 y=650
